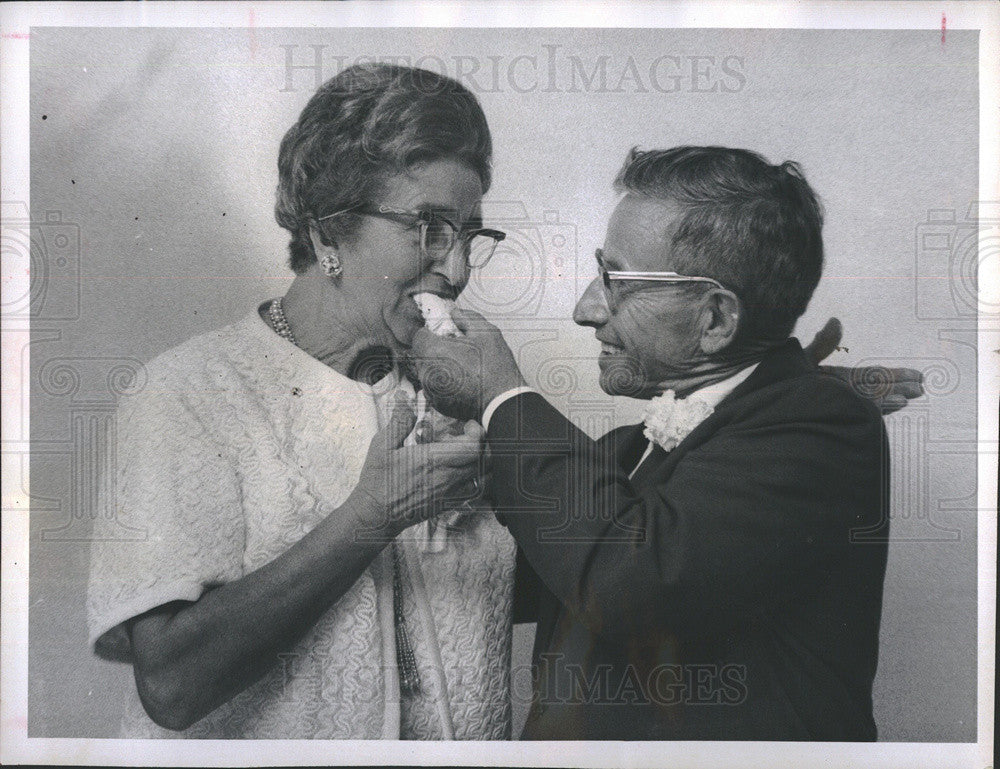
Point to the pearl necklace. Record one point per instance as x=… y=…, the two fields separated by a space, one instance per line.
x=280 y=322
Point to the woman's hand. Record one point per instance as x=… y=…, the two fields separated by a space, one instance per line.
x=403 y=485
x=888 y=388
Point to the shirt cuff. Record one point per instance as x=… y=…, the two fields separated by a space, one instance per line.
x=502 y=398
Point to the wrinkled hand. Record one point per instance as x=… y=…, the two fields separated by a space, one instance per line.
x=825 y=342
x=460 y=376
x=434 y=426
x=401 y=485
x=887 y=388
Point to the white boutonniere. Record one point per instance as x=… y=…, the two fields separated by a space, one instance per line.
x=669 y=419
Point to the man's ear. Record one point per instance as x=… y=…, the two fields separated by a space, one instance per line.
x=720 y=319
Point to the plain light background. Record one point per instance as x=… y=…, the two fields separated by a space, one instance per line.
x=158 y=147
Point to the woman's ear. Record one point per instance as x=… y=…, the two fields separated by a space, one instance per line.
x=317 y=241
x=720 y=320
x=328 y=256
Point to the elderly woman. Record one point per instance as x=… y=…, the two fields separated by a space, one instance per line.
x=270 y=590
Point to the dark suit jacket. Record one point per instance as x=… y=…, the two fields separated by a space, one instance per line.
x=731 y=590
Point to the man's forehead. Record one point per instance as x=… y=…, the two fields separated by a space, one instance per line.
x=640 y=233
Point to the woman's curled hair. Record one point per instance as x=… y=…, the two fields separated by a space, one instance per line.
x=361 y=127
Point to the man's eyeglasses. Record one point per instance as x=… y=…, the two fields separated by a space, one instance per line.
x=438 y=235
x=608 y=277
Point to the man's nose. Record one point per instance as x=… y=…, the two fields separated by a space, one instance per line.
x=592 y=308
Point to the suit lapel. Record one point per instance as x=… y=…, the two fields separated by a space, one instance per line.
x=626 y=444
x=655 y=460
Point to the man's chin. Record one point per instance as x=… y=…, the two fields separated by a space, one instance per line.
x=621 y=376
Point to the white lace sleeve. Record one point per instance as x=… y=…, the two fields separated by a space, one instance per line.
x=179 y=526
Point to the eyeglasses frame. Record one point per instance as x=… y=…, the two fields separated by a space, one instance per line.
x=607 y=276
x=425 y=219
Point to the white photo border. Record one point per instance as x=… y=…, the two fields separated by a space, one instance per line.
x=16 y=20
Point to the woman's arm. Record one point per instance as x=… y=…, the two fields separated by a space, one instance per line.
x=888 y=388
x=189 y=658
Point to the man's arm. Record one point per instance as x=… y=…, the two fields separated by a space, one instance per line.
x=527 y=588
x=742 y=522
x=743 y=519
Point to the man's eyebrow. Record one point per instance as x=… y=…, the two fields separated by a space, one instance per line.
x=438 y=209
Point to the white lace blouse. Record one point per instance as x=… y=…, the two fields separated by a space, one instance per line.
x=236 y=447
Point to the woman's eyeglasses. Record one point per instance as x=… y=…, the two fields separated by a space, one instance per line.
x=438 y=235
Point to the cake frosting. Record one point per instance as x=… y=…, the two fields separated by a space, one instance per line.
x=437 y=313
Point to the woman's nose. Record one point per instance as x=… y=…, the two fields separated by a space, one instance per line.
x=454 y=267
x=592 y=308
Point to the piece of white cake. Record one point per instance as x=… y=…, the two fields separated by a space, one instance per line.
x=437 y=313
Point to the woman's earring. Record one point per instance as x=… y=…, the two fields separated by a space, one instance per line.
x=331 y=265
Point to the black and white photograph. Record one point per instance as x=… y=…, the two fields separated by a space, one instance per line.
x=570 y=385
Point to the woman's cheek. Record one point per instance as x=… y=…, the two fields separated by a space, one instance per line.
x=403 y=317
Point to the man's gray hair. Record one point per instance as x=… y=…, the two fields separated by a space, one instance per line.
x=754 y=227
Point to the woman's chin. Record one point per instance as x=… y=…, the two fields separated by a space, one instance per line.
x=404 y=324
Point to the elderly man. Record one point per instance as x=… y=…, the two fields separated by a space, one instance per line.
x=699 y=576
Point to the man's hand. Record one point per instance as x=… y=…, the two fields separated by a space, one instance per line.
x=888 y=388
x=462 y=375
